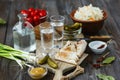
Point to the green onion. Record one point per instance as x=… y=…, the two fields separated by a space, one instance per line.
x=22 y=58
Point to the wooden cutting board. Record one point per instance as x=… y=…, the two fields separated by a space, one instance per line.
x=63 y=66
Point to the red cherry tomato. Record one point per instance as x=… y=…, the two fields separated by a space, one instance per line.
x=24 y=12
x=36 y=18
x=33 y=13
x=42 y=13
x=36 y=11
x=29 y=19
x=31 y=9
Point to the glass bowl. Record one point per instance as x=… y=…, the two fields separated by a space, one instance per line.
x=37 y=72
x=72 y=34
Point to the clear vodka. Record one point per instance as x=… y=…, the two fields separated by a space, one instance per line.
x=23 y=35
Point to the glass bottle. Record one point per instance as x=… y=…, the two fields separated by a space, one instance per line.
x=23 y=35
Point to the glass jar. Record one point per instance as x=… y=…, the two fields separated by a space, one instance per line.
x=73 y=34
x=23 y=35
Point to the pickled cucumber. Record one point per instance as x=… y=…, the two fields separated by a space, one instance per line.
x=52 y=63
x=44 y=60
x=76 y=26
x=72 y=27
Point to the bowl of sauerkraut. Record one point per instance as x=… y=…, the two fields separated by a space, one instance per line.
x=92 y=18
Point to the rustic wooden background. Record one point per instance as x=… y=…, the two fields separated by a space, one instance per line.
x=9 y=70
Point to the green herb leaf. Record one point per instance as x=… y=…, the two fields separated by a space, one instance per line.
x=110 y=78
x=101 y=76
x=2 y=21
x=109 y=60
x=104 y=77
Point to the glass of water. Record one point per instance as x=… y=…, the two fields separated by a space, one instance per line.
x=57 y=22
x=47 y=41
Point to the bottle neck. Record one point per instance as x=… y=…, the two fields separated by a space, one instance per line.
x=23 y=22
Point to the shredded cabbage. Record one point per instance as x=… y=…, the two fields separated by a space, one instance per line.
x=89 y=13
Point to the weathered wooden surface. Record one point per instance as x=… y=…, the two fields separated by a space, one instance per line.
x=9 y=70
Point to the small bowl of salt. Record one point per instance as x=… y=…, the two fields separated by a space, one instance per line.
x=98 y=47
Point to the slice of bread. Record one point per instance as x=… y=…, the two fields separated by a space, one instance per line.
x=71 y=52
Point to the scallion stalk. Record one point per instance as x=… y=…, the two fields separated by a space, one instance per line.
x=22 y=58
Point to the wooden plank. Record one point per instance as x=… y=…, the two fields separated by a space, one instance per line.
x=14 y=8
x=4 y=7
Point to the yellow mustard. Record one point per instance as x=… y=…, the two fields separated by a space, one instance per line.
x=37 y=71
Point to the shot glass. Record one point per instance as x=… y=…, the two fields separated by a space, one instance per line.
x=47 y=39
x=57 y=22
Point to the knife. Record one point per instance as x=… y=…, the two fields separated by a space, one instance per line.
x=90 y=38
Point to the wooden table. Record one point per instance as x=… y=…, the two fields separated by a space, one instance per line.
x=9 y=70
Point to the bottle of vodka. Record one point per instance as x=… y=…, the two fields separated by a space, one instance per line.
x=23 y=35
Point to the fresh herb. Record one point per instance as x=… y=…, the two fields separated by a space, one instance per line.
x=108 y=60
x=22 y=58
x=103 y=60
x=105 y=77
x=2 y=21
